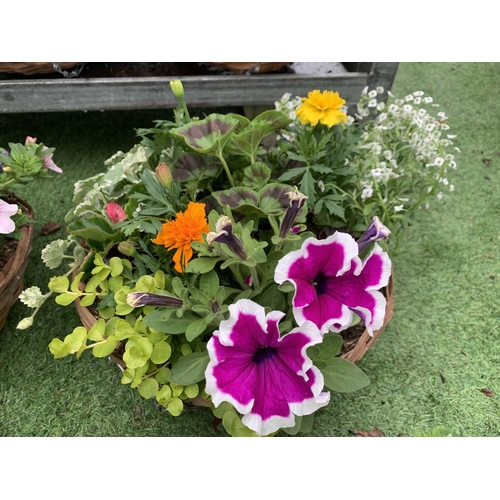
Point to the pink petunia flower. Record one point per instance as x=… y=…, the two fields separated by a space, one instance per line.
x=47 y=160
x=331 y=282
x=7 y=210
x=115 y=212
x=267 y=378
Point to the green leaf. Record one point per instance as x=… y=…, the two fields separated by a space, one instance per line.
x=329 y=348
x=163 y=375
x=207 y=136
x=66 y=298
x=209 y=283
x=256 y=175
x=161 y=352
x=148 y=388
x=201 y=265
x=96 y=333
x=160 y=320
x=292 y=173
x=59 y=284
x=116 y=266
x=343 y=376
x=106 y=348
x=195 y=329
x=94 y=228
x=175 y=407
x=190 y=369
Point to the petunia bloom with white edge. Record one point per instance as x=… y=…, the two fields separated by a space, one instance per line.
x=267 y=378
x=331 y=282
x=7 y=210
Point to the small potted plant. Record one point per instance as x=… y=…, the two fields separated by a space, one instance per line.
x=19 y=164
x=217 y=272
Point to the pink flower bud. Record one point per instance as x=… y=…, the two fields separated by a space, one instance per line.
x=115 y=212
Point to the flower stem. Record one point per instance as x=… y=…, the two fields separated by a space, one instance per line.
x=226 y=168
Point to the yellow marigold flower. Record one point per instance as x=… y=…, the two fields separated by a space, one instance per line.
x=181 y=232
x=321 y=107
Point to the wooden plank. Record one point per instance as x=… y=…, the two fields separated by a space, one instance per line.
x=154 y=92
x=383 y=74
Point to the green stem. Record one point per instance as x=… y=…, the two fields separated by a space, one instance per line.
x=226 y=168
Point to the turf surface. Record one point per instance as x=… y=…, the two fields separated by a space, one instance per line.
x=427 y=369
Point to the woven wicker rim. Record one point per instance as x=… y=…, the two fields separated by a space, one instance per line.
x=12 y=275
x=32 y=68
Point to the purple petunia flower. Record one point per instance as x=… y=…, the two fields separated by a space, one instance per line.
x=331 y=282
x=267 y=378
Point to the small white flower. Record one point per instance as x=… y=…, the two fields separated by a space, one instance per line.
x=449 y=157
x=407 y=108
x=372 y=103
x=421 y=112
x=453 y=164
x=381 y=106
x=365 y=90
x=438 y=161
x=442 y=115
x=408 y=98
x=452 y=187
x=393 y=108
x=430 y=127
x=382 y=117
x=435 y=105
x=439 y=196
x=350 y=120
x=444 y=181
x=429 y=189
x=389 y=93
x=380 y=90
x=388 y=154
x=457 y=150
x=427 y=100
x=418 y=93
x=321 y=186
x=417 y=100
x=451 y=136
x=398 y=208
x=427 y=206
x=366 y=193
x=372 y=94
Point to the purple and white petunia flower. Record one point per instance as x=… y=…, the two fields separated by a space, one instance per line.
x=331 y=282
x=7 y=210
x=267 y=378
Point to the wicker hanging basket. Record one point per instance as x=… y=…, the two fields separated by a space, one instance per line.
x=12 y=274
x=33 y=68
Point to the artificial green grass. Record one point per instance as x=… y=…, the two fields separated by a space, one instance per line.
x=427 y=369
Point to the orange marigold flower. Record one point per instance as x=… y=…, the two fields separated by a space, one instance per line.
x=181 y=232
x=321 y=107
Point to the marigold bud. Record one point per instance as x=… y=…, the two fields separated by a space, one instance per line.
x=126 y=248
x=164 y=175
x=177 y=89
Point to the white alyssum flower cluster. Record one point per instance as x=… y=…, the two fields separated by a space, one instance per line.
x=404 y=137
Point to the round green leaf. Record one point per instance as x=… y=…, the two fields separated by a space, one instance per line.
x=148 y=388
x=106 y=348
x=175 y=407
x=161 y=353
